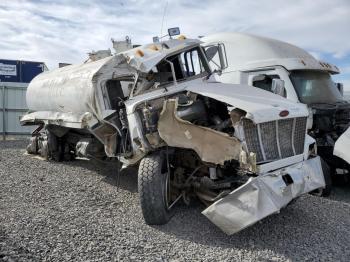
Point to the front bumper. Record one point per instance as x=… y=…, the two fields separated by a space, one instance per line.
x=265 y=195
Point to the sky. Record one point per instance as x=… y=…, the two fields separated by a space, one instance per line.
x=66 y=30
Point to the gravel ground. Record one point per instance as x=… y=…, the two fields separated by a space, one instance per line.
x=73 y=211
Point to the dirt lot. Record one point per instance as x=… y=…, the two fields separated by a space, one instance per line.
x=73 y=211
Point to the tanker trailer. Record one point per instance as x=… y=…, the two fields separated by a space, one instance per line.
x=242 y=151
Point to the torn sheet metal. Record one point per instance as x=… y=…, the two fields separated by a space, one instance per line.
x=210 y=145
x=61 y=87
x=265 y=195
x=261 y=106
x=144 y=58
x=56 y=118
x=342 y=146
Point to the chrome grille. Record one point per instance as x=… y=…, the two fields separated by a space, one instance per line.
x=268 y=139
x=299 y=135
x=284 y=137
x=251 y=131
x=275 y=139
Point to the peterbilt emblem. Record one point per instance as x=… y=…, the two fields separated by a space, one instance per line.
x=284 y=113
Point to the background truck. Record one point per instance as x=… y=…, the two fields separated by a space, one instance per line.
x=293 y=73
x=242 y=151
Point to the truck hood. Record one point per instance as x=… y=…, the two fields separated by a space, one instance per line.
x=261 y=106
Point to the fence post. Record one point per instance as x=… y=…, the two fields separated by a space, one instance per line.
x=3 y=113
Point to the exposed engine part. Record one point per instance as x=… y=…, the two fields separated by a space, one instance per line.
x=212 y=173
x=209 y=197
x=151 y=116
x=122 y=117
x=330 y=121
x=216 y=120
x=192 y=111
x=223 y=125
x=236 y=115
x=217 y=148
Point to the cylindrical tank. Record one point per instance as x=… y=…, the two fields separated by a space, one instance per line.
x=70 y=89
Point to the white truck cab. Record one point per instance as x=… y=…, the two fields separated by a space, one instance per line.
x=293 y=73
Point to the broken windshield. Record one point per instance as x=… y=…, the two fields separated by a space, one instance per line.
x=189 y=64
x=315 y=87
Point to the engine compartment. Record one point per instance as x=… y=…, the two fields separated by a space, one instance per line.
x=329 y=122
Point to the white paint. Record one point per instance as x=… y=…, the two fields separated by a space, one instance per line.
x=342 y=146
x=8 y=70
x=260 y=105
x=264 y=195
x=249 y=52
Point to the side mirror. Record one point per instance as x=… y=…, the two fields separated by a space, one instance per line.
x=278 y=87
x=340 y=87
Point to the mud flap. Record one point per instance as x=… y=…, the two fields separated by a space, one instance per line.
x=342 y=145
x=264 y=195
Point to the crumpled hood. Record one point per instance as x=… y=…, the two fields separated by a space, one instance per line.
x=145 y=57
x=260 y=105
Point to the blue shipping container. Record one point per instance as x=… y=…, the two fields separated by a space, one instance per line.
x=9 y=70
x=19 y=71
x=29 y=70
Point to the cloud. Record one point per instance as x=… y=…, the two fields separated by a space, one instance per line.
x=345 y=69
x=64 y=31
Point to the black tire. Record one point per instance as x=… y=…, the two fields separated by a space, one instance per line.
x=152 y=187
x=327 y=173
x=53 y=146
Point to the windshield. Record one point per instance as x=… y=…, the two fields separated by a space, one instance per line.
x=186 y=65
x=315 y=87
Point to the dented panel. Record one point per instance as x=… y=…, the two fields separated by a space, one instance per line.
x=261 y=106
x=210 y=145
x=71 y=120
x=265 y=195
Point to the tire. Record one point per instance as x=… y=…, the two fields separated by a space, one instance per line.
x=327 y=173
x=53 y=147
x=152 y=187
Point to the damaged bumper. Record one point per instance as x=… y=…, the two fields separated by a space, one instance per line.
x=265 y=195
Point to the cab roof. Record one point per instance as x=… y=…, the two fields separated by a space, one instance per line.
x=145 y=57
x=247 y=51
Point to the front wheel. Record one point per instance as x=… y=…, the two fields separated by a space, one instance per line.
x=154 y=189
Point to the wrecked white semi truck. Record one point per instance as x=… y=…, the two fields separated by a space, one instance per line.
x=242 y=151
x=293 y=73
